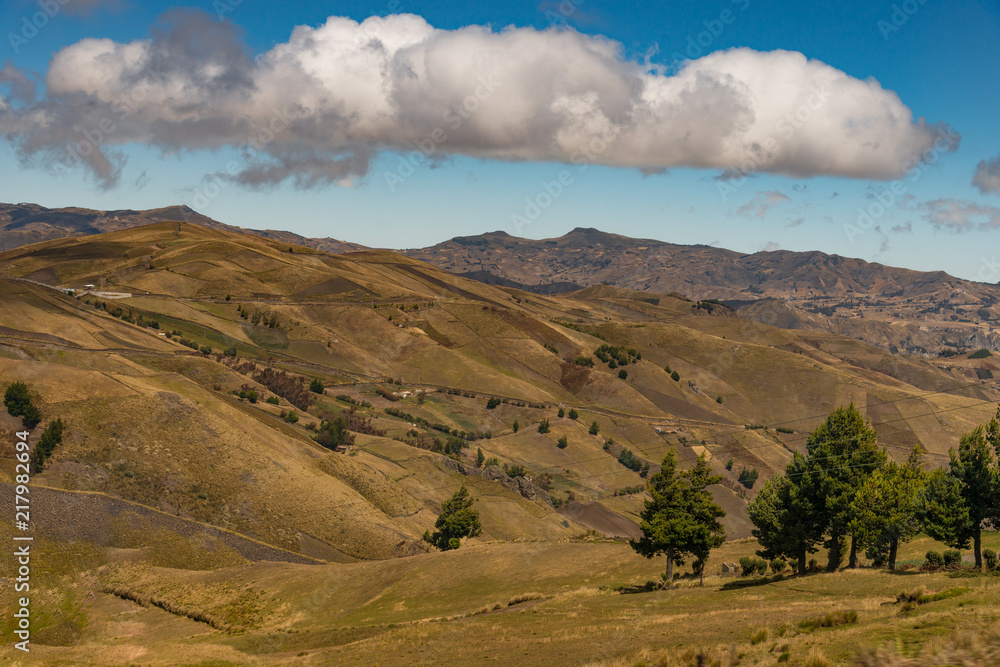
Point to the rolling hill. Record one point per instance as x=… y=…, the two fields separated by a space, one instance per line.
x=216 y=513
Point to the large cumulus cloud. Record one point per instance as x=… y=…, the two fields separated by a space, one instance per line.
x=316 y=109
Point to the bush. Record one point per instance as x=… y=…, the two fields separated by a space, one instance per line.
x=990 y=558
x=563 y=443
x=561 y=413
x=675 y=376
x=952 y=557
x=492 y=403
x=51 y=437
x=573 y=414
x=274 y=400
x=516 y=426
x=316 y=386
x=748 y=565
x=291 y=417
x=623 y=374
x=718 y=399
x=585 y=361
x=543 y=426
x=729 y=464
x=206 y=350
x=778 y=565
x=794 y=564
x=934 y=559
x=514 y=470
x=230 y=351
x=748 y=477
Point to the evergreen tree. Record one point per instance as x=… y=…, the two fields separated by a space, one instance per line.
x=841 y=454
x=543 y=426
x=573 y=414
x=785 y=518
x=457 y=520
x=16 y=398
x=885 y=507
x=595 y=428
x=516 y=426
x=958 y=502
x=480 y=458
x=680 y=518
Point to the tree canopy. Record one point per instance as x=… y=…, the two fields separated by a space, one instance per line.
x=457 y=520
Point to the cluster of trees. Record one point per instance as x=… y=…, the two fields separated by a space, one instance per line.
x=17 y=399
x=290 y=387
x=265 y=318
x=615 y=356
x=51 y=438
x=845 y=495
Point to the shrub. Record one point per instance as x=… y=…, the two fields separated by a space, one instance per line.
x=675 y=376
x=585 y=361
x=718 y=399
x=934 y=559
x=51 y=437
x=492 y=403
x=291 y=417
x=595 y=428
x=759 y=637
x=729 y=464
x=623 y=374
x=543 y=426
x=778 y=565
x=206 y=350
x=748 y=565
x=794 y=564
x=561 y=413
x=516 y=426
x=563 y=443
x=761 y=566
x=230 y=351
x=480 y=457
x=316 y=386
x=980 y=354
x=573 y=414
x=990 y=558
x=514 y=470
x=273 y=400
x=951 y=557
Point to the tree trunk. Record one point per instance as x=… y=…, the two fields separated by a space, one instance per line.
x=670 y=568
x=977 y=543
x=802 y=560
x=852 y=562
x=834 y=562
x=893 y=548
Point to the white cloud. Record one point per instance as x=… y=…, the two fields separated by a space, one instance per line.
x=762 y=202
x=960 y=216
x=987 y=176
x=337 y=94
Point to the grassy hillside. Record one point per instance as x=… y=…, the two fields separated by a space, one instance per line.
x=153 y=382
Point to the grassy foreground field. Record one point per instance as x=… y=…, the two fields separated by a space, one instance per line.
x=536 y=603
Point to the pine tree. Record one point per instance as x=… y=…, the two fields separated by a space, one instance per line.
x=681 y=518
x=841 y=454
x=958 y=502
x=885 y=507
x=595 y=428
x=457 y=520
x=16 y=398
x=786 y=521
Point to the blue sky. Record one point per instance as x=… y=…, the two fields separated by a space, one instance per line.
x=939 y=58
